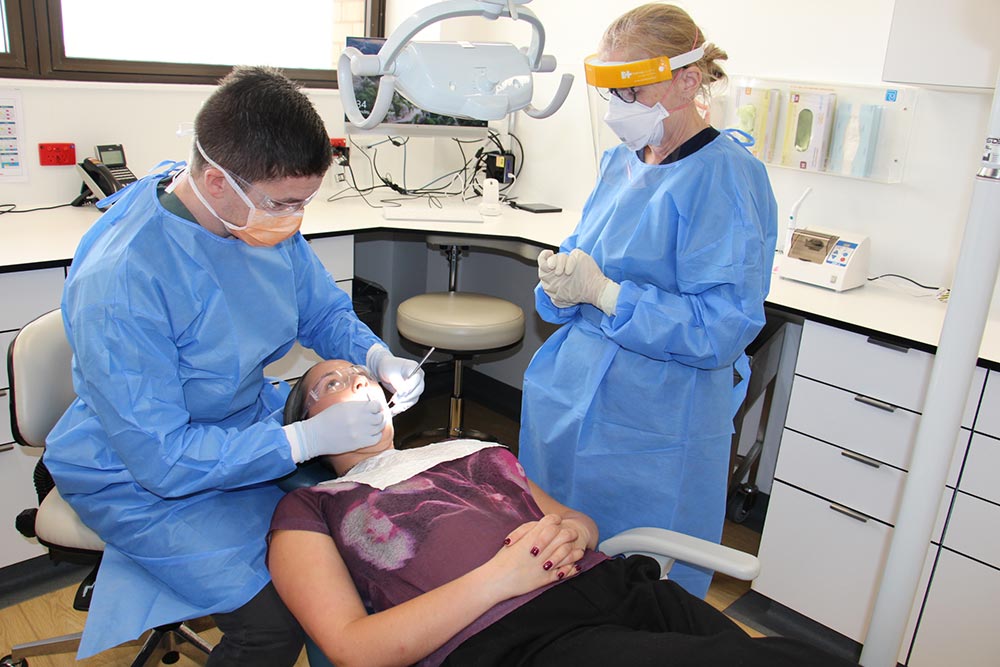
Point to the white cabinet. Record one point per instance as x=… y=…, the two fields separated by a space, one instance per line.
x=842 y=464
x=24 y=295
x=337 y=255
x=937 y=43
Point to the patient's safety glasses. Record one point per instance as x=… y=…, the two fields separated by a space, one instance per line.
x=335 y=382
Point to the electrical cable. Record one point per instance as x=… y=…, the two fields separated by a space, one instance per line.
x=12 y=208
x=896 y=275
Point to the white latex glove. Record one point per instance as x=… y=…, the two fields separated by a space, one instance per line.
x=403 y=376
x=342 y=427
x=550 y=263
x=580 y=281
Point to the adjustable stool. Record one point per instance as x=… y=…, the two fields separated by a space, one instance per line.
x=463 y=324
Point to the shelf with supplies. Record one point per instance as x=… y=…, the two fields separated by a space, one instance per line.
x=856 y=131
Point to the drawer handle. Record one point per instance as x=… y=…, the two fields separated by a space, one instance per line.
x=6 y=448
x=846 y=511
x=860 y=458
x=889 y=346
x=875 y=403
x=3 y=392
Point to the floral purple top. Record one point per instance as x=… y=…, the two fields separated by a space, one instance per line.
x=423 y=532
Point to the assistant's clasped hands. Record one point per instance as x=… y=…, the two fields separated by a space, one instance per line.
x=575 y=278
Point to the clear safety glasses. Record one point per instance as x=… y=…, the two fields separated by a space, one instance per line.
x=627 y=95
x=270 y=206
x=335 y=382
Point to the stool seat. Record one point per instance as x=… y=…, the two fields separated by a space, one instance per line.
x=460 y=321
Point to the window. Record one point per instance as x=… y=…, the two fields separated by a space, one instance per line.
x=163 y=42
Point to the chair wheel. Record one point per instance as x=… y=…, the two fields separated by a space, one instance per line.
x=740 y=502
x=8 y=661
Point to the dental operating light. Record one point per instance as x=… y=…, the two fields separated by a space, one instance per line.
x=480 y=81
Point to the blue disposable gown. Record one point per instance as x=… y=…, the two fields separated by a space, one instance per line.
x=629 y=417
x=170 y=450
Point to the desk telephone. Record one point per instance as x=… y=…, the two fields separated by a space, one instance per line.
x=105 y=174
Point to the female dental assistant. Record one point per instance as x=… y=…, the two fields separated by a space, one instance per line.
x=627 y=408
x=177 y=299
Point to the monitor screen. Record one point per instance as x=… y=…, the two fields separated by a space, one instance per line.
x=403 y=117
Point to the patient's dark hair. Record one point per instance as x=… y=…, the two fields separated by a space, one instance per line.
x=296 y=401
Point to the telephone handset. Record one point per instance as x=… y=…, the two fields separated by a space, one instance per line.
x=103 y=175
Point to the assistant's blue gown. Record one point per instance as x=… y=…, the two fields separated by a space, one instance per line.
x=170 y=450
x=628 y=418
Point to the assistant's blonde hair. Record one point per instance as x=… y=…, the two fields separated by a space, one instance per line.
x=658 y=29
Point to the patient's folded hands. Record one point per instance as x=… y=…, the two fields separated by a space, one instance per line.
x=535 y=554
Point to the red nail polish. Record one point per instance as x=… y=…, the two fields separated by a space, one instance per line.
x=548 y=565
x=578 y=568
x=534 y=551
x=561 y=575
x=506 y=541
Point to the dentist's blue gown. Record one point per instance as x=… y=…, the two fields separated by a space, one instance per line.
x=170 y=450
x=629 y=418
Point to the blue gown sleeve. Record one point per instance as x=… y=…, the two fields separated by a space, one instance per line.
x=132 y=382
x=722 y=280
x=327 y=321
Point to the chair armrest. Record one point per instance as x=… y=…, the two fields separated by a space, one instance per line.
x=667 y=545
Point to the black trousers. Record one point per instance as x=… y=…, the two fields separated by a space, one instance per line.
x=620 y=613
x=260 y=633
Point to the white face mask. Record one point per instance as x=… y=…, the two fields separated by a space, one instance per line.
x=636 y=124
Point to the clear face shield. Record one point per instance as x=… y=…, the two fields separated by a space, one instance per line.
x=607 y=79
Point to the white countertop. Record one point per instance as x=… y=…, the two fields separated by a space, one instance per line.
x=890 y=307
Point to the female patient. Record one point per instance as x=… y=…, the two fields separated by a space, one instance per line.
x=448 y=555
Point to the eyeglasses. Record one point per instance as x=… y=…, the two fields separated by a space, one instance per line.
x=335 y=382
x=627 y=95
x=271 y=206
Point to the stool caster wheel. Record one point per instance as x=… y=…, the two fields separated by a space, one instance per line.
x=8 y=661
x=740 y=502
x=170 y=657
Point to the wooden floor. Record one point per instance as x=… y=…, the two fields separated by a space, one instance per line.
x=52 y=614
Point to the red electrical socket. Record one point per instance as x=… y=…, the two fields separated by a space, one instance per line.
x=56 y=154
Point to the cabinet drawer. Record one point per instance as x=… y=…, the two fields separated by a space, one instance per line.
x=842 y=476
x=24 y=295
x=974 y=529
x=988 y=421
x=981 y=467
x=896 y=375
x=820 y=562
x=836 y=416
x=337 y=255
x=959 y=621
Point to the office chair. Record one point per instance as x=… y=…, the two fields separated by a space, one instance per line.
x=41 y=388
x=463 y=324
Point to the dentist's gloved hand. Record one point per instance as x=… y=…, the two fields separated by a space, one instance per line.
x=342 y=427
x=403 y=376
x=581 y=281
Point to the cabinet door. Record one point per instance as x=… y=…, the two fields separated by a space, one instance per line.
x=821 y=562
x=25 y=295
x=988 y=419
x=958 y=625
x=922 y=30
x=337 y=255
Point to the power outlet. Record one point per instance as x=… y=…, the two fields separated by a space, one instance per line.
x=62 y=154
x=341 y=151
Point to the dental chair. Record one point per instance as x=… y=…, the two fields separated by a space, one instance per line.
x=462 y=324
x=41 y=388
